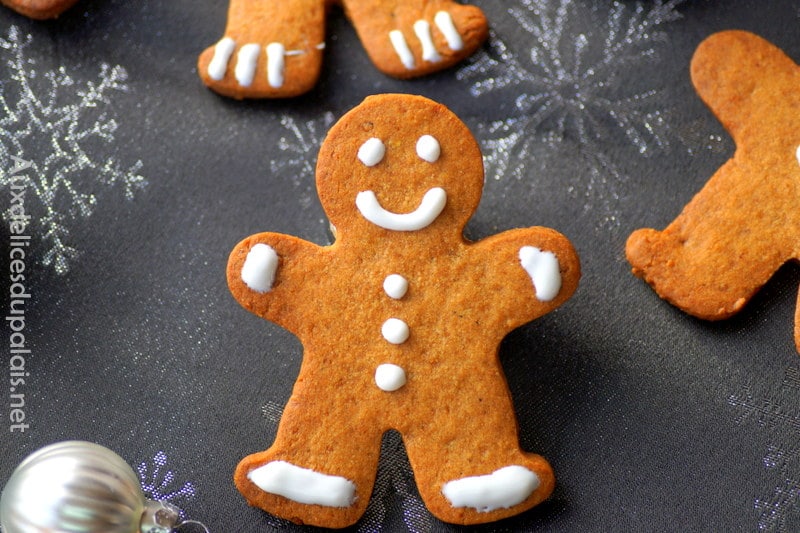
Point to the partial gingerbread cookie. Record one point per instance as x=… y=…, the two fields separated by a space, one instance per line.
x=39 y=9
x=273 y=49
x=400 y=321
x=745 y=223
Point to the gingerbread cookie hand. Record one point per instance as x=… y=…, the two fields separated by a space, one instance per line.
x=400 y=316
x=274 y=49
x=745 y=223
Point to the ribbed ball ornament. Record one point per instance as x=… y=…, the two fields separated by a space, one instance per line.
x=79 y=487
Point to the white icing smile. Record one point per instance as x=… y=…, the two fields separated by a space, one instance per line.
x=431 y=206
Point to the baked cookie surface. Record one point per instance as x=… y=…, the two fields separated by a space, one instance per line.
x=745 y=223
x=400 y=320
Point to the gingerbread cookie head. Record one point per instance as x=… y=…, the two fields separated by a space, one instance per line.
x=745 y=223
x=400 y=320
x=39 y=9
x=274 y=49
x=413 y=165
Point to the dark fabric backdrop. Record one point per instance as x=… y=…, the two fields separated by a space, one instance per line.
x=144 y=180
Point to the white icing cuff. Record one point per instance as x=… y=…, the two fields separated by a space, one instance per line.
x=444 y=22
x=431 y=206
x=246 y=62
x=303 y=485
x=276 y=64
x=401 y=48
x=260 y=265
x=423 y=31
x=544 y=271
x=503 y=488
x=389 y=377
x=222 y=54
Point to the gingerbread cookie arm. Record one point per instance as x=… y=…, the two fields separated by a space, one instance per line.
x=530 y=272
x=39 y=9
x=266 y=272
x=744 y=224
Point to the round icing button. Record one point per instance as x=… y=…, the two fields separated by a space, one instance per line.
x=428 y=148
x=389 y=377
x=371 y=152
x=395 y=286
x=395 y=331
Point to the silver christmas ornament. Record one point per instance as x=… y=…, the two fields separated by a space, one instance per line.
x=81 y=487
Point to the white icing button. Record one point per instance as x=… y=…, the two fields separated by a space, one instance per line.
x=401 y=48
x=389 y=377
x=258 y=271
x=544 y=271
x=395 y=286
x=428 y=148
x=222 y=54
x=246 y=62
x=303 y=485
x=423 y=31
x=797 y=153
x=395 y=331
x=503 y=488
x=431 y=206
x=444 y=22
x=276 y=64
x=371 y=152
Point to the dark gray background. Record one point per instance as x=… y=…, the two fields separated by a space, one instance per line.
x=652 y=420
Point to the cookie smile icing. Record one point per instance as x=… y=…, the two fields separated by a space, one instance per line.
x=423 y=216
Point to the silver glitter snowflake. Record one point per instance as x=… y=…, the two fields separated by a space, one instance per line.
x=63 y=126
x=580 y=83
x=779 y=413
x=159 y=484
x=298 y=149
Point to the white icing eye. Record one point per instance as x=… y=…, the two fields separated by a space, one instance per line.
x=371 y=152
x=428 y=148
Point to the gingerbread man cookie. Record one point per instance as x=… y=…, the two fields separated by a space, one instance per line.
x=745 y=223
x=273 y=49
x=400 y=320
x=39 y=9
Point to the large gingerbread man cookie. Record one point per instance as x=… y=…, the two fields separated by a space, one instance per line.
x=745 y=223
x=400 y=321
x=39 y=9
x=273 y=49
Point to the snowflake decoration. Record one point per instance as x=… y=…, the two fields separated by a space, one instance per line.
x=59 y=125
x=780 y=414
x=158 y=486
x=581 y=83
x=302 y=140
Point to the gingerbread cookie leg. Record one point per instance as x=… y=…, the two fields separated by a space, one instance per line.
x=39 y=9
x=474 y=471
x=270 y=49
x=412 y=38
x=321 y=468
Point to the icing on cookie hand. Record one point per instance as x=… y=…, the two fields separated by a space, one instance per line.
x=544 y=271
x=259 y=268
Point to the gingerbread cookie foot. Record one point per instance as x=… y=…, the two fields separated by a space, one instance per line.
x=502 y=489
x=267 y=52
x=411 y=39
x=39 y=9
x=303 y=485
